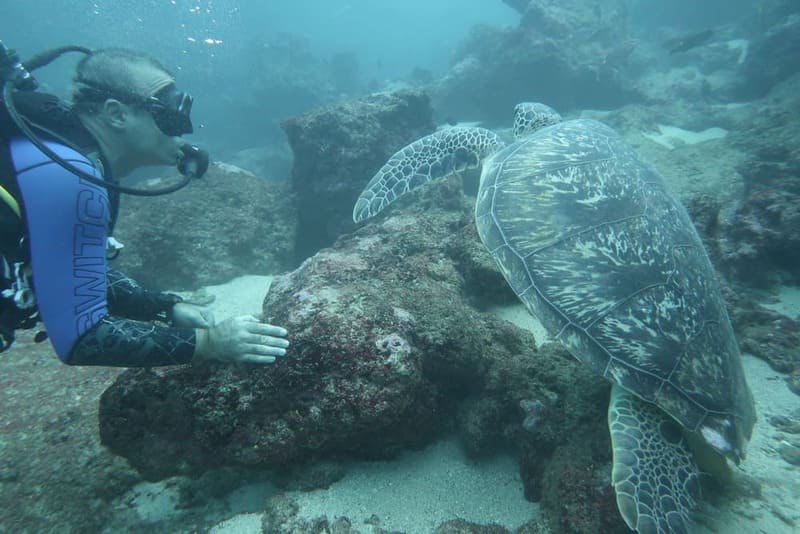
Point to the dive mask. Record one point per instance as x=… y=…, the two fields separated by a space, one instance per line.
x=171 y=111
x=169 y=107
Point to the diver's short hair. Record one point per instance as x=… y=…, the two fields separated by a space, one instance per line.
x=120 y=73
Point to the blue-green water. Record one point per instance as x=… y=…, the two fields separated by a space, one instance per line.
x=662 y=74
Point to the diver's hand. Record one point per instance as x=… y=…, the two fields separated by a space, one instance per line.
x=241 y=339
x=185 y=315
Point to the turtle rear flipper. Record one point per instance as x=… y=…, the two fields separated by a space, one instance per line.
x=434 y=156
x=655 y=476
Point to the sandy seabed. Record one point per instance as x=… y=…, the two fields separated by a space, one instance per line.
x=51 y=458
x=419 y=490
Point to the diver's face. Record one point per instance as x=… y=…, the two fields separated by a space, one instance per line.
x=148 y=144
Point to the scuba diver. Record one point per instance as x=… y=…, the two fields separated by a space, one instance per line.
x=60 y=166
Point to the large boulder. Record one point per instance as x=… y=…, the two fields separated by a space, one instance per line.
x=761 y=245
x=337 y=149
x=388 y=350
x=226 y=224
x=361 y=374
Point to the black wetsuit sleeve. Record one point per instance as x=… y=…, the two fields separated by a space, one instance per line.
x=123 y=338
x=127 y=298
x=119 y=342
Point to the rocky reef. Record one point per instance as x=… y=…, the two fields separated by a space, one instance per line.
x=389 y=349
x=392 y=346
x=762 y=243
x=337 y=149
x=774 y=54
x=226 y=224
x=761 y=331
x=568 y=54
x=765 y=237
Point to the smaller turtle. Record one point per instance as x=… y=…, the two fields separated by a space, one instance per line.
x=592 y=241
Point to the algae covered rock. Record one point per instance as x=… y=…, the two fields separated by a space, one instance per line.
x=338 y=148
x=226 y=224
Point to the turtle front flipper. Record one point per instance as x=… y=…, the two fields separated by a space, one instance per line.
x=655 y=476
x=434 y=156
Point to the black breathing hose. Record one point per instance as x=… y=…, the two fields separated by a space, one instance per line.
x=193 y=164
x=48 y=56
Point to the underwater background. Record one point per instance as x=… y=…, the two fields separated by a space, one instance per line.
x=421 y=396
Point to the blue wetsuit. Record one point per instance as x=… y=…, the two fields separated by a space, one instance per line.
x=92 y=315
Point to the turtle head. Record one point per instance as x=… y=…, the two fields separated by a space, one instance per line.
x=531 y=116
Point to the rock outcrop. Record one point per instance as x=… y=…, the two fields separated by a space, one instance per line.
x=388 y=350
x=772 y=57
x=568 y=54
x=226 y=224
x=337 y=149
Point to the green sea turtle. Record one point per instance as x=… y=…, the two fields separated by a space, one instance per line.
x=598 y=249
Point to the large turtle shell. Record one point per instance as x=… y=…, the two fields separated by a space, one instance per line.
x=596 y=246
